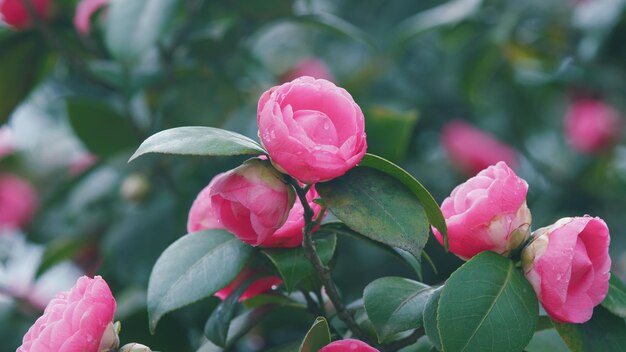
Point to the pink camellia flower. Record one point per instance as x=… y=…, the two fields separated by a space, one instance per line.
x=259 y=286
x=312 y=129
x=15 y=14
x=18 y=201
x=251 y=201
x=84 y=11
x=77 y=320
x=310 y=66
x=348 y=345
x=472 y=150
x=202 y=217
x=591 y=125
x=568 y=265
x=487 y=213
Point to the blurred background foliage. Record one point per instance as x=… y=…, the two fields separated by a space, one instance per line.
x=78 y=105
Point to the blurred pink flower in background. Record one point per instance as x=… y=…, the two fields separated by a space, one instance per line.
x=309 y=66
x=15 y=14
x=472 y=150
x=81 y=163
x=591 y=125
x=18 y=201
x=6 y=141
x=84 y=11
x=77 y=320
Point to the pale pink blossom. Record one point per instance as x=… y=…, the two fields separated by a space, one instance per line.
x=487 y=213
x=84 y=11
x=18 y=201
x=309 y=66
x=591 y=125
x=312 y=129
x=472 y=149
x=568 y=265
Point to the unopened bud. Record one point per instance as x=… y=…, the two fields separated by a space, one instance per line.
x=110 y=339
x=135 y=188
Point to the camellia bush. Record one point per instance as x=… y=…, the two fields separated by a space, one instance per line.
x=197 y=175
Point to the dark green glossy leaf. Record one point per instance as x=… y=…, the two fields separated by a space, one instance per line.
x=216 y=328
x=430 y=318
x=615 y=300
x=389 y=131
x=134 y=27
x=604 y=332
x=317 y=337
x=546 y=340
x=102 y=129
x=198 y=141
x=21 y=59
x=395 y=304
x=293 y=266
x=239 y=327
x=487 y=305
x=433 y=211
x=379 y=207
x=187 y=271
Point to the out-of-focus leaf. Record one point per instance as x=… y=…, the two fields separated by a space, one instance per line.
x=395 y=304
x=21 y=59
x=293 y=266
x=430 y=318
x=317 y=337
x=487 y=305
x=432 y=209
x=101 y=128
x=389 y=132
x=378 y=206
x=198 y=141
x=450 y=13
x=335 y=25
x=615 y=300
x=185 y=271
x=546 y=340
x=60 y=250
x=604 y=332
x=133 y=27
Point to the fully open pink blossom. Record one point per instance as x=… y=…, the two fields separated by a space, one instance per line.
x=472 y=150
x=568 y=265
x=487 y=213
x=591 y=125
x=84 y=11
x=15 y=14
x=76 y=320
x=18 y=201
x=348 y=345
x=309 y=66
x=259 y=286
x=312 y=129
x=251 y=201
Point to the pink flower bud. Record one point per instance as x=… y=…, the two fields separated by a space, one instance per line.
x=84 y=11
x=348 y=345
x=568 y=265
x=487 y=213
x=591 y=125
x=15 y=14
x=472 y=150
x=77 y=320
x=251 y=201
x=310 y=66
x=18 y=201
x=259 y=286
x=312 y=129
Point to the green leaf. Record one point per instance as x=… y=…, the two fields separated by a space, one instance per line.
x=335 y=25
x=133 y=27
x=293 y=266
x=103 y=130
x=395 y=304
x=379 y=207
x=21 y=56
x=239 y=327
x=389 y=131
x=546 y=340
x=216 y=328
x=487 y=305
x=317 y=337
x=430 y=318
x=60 y=250
x=198 y=141
x=615 y=300
x=604 y=332
x=433 y=211
x=187 y=270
